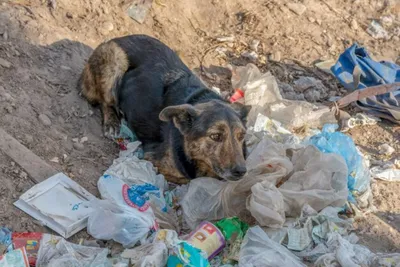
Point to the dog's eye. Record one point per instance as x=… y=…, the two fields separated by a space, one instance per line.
x=216 y=137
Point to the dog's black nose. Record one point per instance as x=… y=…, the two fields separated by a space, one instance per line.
x=239 y=171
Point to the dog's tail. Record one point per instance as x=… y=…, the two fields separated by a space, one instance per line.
x=103 y=72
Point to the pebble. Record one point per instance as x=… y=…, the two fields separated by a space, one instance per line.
x=69 y=15
x=250 y=55
x=387 y=21
x=106 y=28
x=275 y=56
x=78 y=146
x=55 y=160
x=4 y=63
x=319 y=22
x=224 y=39
x=297 y=8
x=254 y=45
x=311 y=19
x=390 y=218
x=354 y=24
x=44 y=120
x=84 y=139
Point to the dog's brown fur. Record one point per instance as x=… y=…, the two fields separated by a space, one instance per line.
x=105 y=67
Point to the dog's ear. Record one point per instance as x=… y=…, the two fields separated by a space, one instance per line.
x=182 y=116
x=241 y=109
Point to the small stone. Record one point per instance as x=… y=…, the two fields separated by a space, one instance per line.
x=69 y=15
x=75 y=140
x=224 y=39
x=44 y=120
x=387 y=21
x=65 y=67
x=297 y=8
x=23 y=175
x=254 y=45
x=4 y=63
x=90 y=112
x=311 y=19
x=253 y=56
x=5 y=36
x=106 y=28
x=55 y=160
x=65 y=156
x=390 y=218
x=354 y=24
x=80 y=171
x=319 y=22
x=276 y=56
x=78 y=146
x=84 y=139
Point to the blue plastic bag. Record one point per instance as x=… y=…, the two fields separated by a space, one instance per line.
x=330 y=141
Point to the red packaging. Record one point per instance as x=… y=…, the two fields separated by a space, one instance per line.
x=237 y=95
x=31 y=242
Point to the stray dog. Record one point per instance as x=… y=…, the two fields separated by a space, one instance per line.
x=187 y=130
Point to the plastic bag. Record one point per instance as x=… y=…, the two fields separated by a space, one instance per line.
x=211 y=199
x=147 y=255
x=124 y=224
x=266 y=205
x=317 y=179
x=259 y=250
x=330 y=141
x=135 y=172
x=56 y=251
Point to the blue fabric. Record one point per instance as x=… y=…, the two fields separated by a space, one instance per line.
x=372 y=73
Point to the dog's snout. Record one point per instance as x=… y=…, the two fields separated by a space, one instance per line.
x=239 y=171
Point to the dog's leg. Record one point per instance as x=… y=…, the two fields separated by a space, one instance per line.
x=110 y=121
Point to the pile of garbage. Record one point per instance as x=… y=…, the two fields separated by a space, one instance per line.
x=290 y=208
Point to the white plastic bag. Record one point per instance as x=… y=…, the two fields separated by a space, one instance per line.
x=259 y=250
x=266 y=205
x=125 y=225
x=211 y=199
x=56 y=251
x=317 y=179
x=132 y=171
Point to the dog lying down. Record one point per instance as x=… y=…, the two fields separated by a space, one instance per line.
x=187 y=130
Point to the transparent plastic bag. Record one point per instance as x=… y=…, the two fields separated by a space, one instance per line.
x=56 y=251
x=308 y=175
x=259 y=250
x=123 y=224
x=266 y=205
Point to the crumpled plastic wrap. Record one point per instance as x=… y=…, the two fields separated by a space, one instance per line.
x=305 y=176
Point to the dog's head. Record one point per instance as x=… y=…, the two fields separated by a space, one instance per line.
x=213 y=134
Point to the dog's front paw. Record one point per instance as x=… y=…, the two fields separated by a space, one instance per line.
x=110 y=131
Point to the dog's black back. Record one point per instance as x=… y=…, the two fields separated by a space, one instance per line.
x=156 y=79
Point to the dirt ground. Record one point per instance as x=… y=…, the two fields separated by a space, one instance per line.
x=44 y=45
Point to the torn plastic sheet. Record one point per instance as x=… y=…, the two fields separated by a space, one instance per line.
x=57 y=204
x=259 y=250
x=56 y=251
